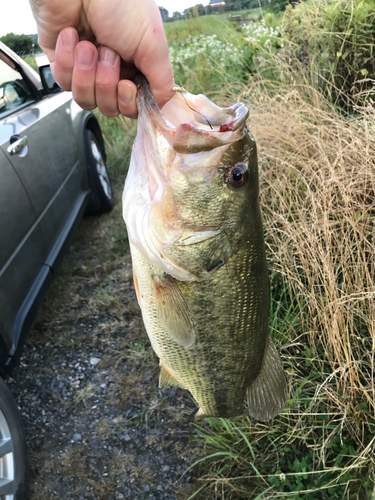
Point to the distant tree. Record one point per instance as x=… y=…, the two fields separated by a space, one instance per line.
x=177 y=16
x=164 y=14
x=279 y=5
x=19 y=43
x=198 y=10
x=201 y=10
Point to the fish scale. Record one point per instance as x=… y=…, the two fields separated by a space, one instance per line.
x=198 y=255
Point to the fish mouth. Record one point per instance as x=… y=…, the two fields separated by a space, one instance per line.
x=193 y=123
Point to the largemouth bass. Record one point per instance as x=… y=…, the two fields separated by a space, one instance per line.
x=191 y=208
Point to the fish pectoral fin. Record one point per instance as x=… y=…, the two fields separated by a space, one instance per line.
x=267 y=394
x=173 y=312
x=165 y=378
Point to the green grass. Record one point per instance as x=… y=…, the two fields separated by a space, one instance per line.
x=219 y=25
x=224 y=26
x=30 y=60
x=119 y=134
x=83 y=394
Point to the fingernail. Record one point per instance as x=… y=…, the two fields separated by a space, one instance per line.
x=125 y=94
x=107 y=57
x=85 y=57
x=68 y=38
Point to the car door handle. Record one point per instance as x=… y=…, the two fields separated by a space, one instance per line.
x=17 y=143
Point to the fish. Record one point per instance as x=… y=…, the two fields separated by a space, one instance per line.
x=191 y=208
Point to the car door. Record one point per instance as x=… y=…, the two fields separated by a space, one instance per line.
x=48 y=168
x=22 y=247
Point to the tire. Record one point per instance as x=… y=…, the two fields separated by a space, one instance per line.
x=102 y=197
x=14 y=480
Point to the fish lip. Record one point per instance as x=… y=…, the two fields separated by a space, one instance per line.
x=238 y=112
x=237 y=115
x=188 y=137
x=219 y=126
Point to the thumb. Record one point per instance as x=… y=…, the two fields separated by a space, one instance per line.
x=152 y=59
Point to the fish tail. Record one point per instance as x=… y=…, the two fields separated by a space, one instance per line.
x=267 y=394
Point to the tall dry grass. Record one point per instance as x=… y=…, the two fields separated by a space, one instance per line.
x=318 y=199
x=317 y=172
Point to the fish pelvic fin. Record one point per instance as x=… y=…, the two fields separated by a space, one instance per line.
x=268 y=393
x=165 y=378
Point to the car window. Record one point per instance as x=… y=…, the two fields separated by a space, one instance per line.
x=14 y=91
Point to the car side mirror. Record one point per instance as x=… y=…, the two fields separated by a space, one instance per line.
x=49 y=84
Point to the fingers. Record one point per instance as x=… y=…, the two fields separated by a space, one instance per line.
x=84 y=72
x=107 y=78
x=64 y=57
x=93 y=78
x=127 y=93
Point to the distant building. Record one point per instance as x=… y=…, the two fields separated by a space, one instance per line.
x=216 y=4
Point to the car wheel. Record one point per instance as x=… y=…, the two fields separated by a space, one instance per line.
x=103 y=198
x=13 y=458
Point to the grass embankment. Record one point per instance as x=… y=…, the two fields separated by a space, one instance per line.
x=317 y=172
x=205 y=25
x=227 y=25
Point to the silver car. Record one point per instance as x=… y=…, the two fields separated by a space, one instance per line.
x=52 y=171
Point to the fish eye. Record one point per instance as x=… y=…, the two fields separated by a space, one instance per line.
x=238 y=174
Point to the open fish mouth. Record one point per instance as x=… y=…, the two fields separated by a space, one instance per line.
x=193 y=123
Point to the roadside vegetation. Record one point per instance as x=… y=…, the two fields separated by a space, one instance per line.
x=308 y=79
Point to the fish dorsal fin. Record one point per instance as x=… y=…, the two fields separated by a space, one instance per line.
x=173 y=312
x=165 y=378
x=267 y=394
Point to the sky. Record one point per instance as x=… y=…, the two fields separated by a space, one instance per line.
x=16 y=15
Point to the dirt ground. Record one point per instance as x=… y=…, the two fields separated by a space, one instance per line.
x=98 y=427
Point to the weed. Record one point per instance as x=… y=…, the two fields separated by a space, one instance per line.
x=103 y=428
x=335 y=40
x=82 y=395
x=136 y=350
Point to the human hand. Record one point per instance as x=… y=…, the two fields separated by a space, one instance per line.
x=130 y=37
